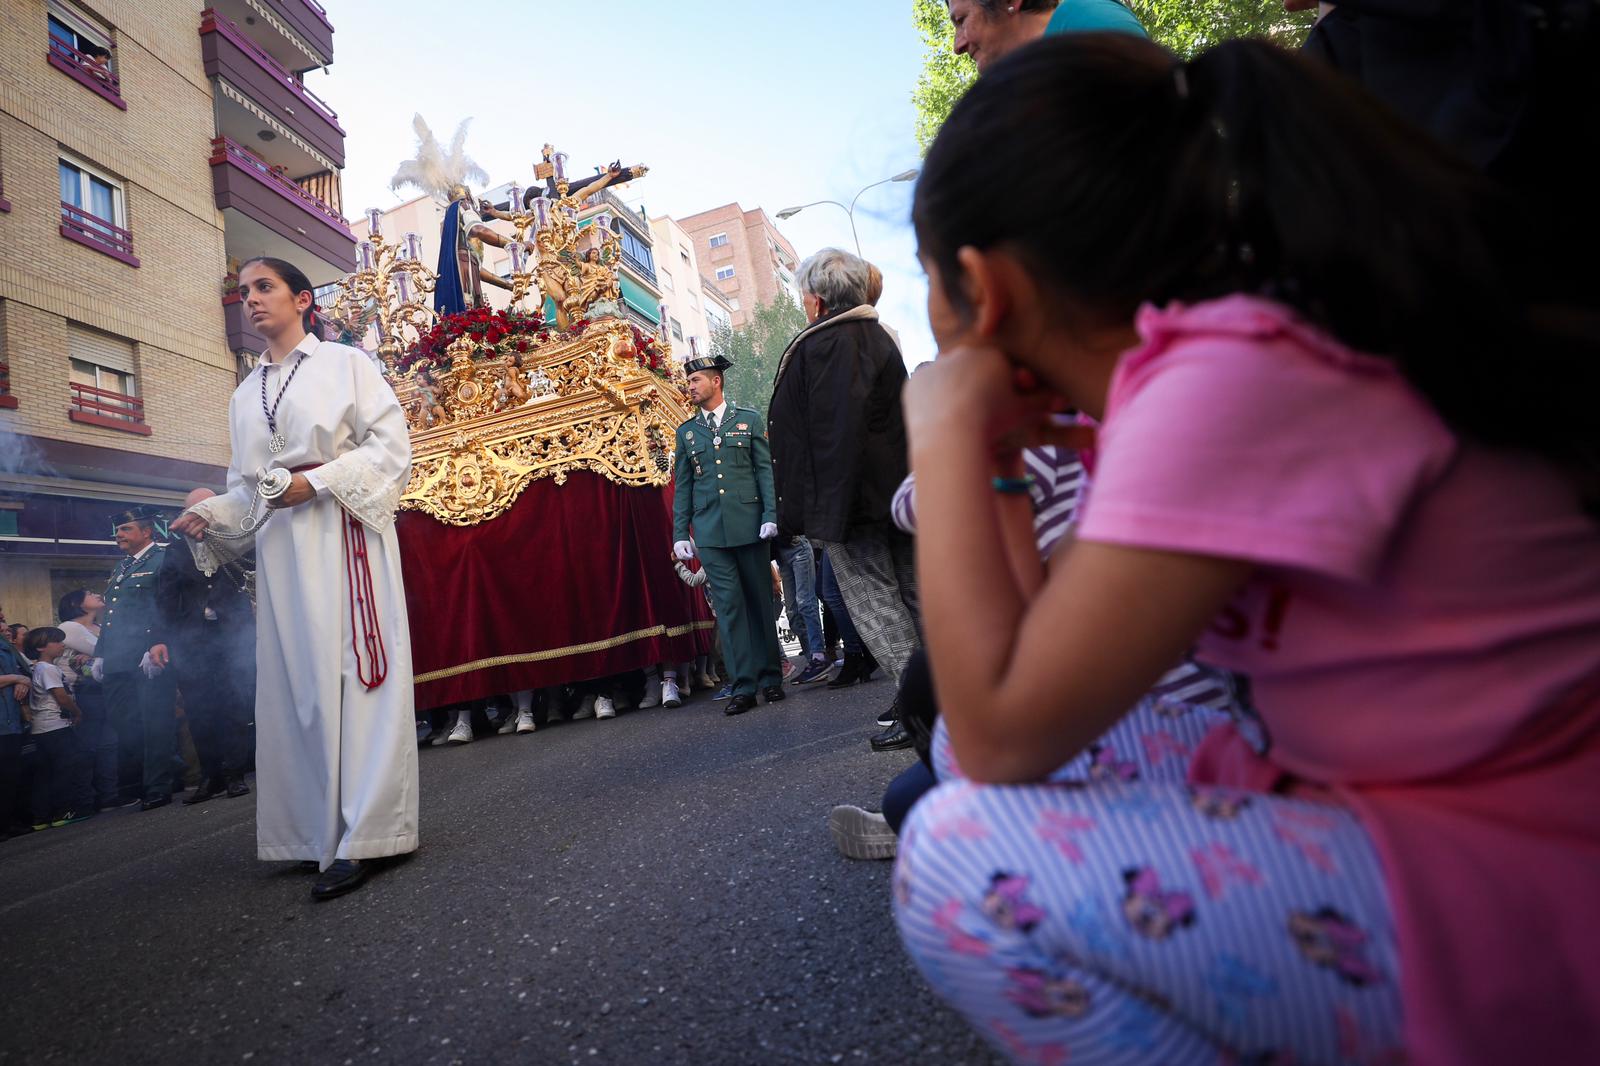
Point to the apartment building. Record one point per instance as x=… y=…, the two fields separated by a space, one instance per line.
x=695 y=304
x=144 y=144
x=743 y=252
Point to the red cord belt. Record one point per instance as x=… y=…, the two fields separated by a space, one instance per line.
x=372 y=658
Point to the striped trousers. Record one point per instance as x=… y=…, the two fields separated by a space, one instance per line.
x=876 y=569
x=1115 y=915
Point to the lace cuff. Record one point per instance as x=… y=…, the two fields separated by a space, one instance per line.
x=225 y=513
x=363 y=489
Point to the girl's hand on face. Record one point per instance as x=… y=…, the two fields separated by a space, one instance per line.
x=976 y=389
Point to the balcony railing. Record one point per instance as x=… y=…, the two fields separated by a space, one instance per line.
x=97 y=233
x=83 y=68
x=107 y=409
x=212 y=22
x=7 y=401
x=224 y=150
x=640 y=268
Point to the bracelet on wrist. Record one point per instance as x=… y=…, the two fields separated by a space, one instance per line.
x=1013 y=486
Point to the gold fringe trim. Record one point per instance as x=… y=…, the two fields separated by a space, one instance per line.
x=559 y=653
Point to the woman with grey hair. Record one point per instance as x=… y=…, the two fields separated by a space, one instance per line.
x=839 y=451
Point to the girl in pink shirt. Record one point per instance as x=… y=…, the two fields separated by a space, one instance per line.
x=1393 y=853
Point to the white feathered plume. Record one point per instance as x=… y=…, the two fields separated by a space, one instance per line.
x=432 y=169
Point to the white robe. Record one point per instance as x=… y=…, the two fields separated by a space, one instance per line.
x=336 y=763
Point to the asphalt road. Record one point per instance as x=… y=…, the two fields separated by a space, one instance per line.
x=657 y=888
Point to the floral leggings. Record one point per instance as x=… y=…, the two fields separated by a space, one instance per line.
x=1115 y=915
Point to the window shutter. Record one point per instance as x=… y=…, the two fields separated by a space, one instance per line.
x=101 y=349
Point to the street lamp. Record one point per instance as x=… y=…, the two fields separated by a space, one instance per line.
x=790 y=212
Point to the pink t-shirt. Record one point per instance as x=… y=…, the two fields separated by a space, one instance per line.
x=1422 y=637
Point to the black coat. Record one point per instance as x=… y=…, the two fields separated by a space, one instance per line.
x=838 y=434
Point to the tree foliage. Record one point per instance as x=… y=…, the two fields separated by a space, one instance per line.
x=1186 y=27
x=754 y=350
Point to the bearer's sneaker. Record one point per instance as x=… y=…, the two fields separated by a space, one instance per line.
x=652 y=697
x=525 y=723
x=861 y=834
x=604 y=708
x=725 y=692
x=585 y=708
x=816 y=670
x=787 y=668
x=669 y=694
x=462 y=733
x=508 y=726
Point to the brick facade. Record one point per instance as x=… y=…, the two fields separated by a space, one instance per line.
x=168 y=308
x=758 y=253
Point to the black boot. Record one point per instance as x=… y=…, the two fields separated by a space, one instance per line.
x=853 y=670
x=893 y=738
x=869 y=665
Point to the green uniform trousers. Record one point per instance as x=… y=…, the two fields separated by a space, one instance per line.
x=741 y=591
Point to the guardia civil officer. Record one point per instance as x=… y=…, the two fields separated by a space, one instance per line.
x=723 y=496
x=139 y=694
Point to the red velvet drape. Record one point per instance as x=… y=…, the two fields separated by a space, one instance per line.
x=575 y=581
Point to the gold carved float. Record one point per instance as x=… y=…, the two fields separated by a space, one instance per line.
x=589 y=391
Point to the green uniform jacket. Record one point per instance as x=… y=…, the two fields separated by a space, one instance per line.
x=723 y=490
x=131 y=618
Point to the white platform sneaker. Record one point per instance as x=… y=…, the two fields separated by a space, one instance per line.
x=604 y=707
x=669 y=694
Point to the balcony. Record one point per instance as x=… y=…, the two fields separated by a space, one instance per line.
x=84 y=69
x=639 y=268
x=296 y=33
x=8 y=402
x=267 y=213
x=242 y=336
x=232 y=56
x=107 y=409
x=91 y=231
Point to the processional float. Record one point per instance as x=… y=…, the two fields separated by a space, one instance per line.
x=536 y=527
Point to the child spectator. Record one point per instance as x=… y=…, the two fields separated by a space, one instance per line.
x=1348 y=450
x=60 y=792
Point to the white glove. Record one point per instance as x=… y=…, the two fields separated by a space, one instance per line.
x=684 y=550
x=148 y=667
x=769 y=530
x=97 y=669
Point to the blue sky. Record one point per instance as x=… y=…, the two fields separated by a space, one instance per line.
x=763 y=102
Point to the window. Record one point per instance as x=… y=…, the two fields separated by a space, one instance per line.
x=724 y=273
x=93 y=210
x=719 y=240
x=677 y=330
x=100 y=379
x=666 y=280
x=694 y=301
x=82 y=50
x=683 y=253
x=639 y=251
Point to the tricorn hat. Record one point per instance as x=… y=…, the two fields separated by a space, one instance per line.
x=136 y=514
x=706 y=362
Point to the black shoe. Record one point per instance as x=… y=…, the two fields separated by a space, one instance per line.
x=891 y=739
x=890 y=714
x=869 y=666
x=152 y=804
x=851 y=672
x=237 y=788
x=345 y=875
x=207 y=789
x=739 y=704
x=773 y=693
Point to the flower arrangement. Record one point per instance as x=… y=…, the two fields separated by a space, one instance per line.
x=647 y=349
x=496 y=333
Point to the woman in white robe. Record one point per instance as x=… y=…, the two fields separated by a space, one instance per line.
x=336 y=753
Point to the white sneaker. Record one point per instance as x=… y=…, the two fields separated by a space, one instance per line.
x=525 y=723
x=585 y=708
x=669 y=694
x=861 y=834
x=507 y=727
x=652 y=697
x=604 y=708
x=462 y=733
